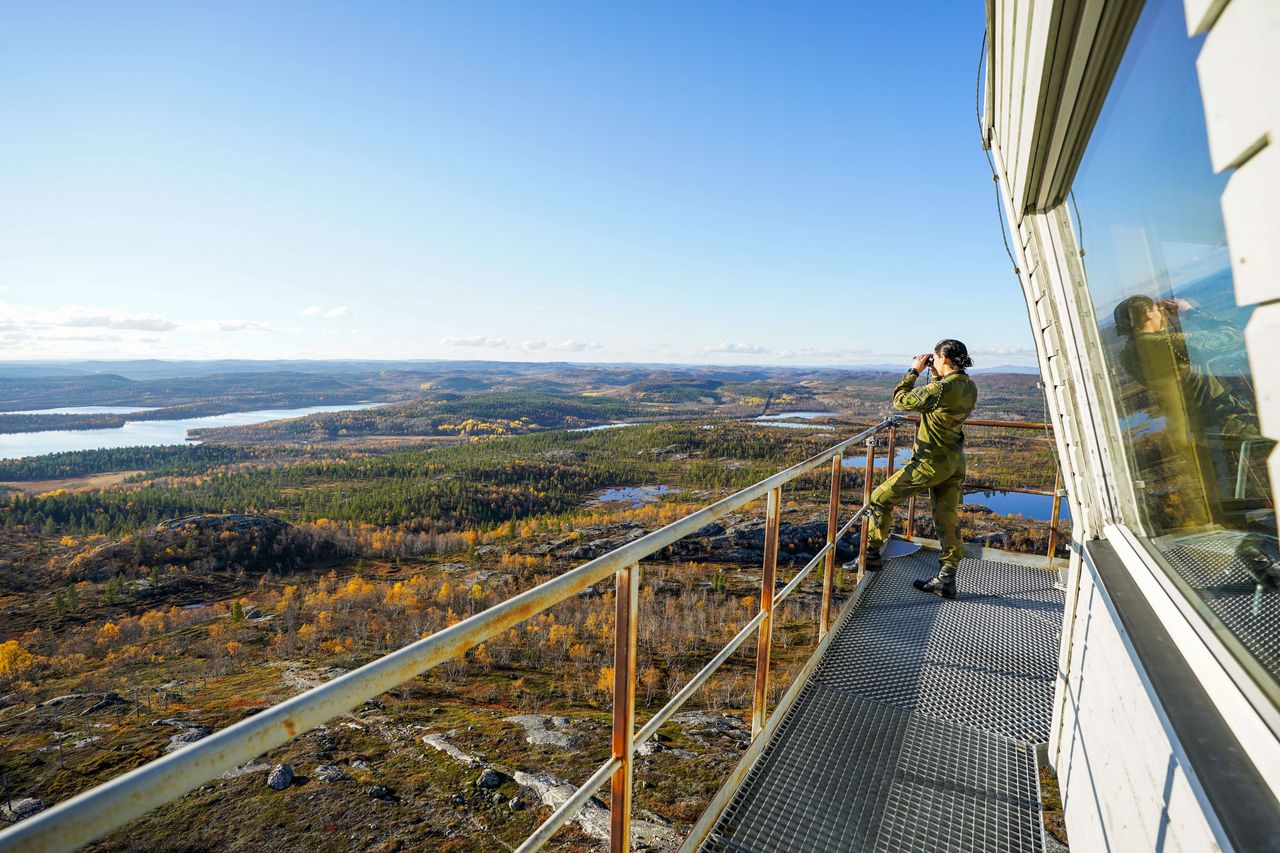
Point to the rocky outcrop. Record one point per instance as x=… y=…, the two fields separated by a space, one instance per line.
x=553 y=793
x=190 y=732
x=205 y=543
x=543 y=730
x=729 y=542
x=13 y=811
x=331 y=773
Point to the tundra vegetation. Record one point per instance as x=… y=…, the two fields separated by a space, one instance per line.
x=212 y=581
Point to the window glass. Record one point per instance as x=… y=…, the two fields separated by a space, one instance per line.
x=1148 y=221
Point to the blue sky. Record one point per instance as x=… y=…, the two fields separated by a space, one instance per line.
x=718 y=183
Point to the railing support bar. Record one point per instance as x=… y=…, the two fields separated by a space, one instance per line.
x=866 y=499
x=627 y=602
x=833 y=522
x=1057 y=511
x=773 y=520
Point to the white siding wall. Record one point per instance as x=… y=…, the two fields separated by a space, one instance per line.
x=1123 y=779
x=1238 y=67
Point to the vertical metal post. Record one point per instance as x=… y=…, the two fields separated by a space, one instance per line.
x=1057 y=511
x=833 y=526
x=773 y=519
x=866 y=499
x=911 y=517
x=624 y=705
x=893 y=450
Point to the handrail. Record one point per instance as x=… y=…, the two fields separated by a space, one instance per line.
x=93 y=813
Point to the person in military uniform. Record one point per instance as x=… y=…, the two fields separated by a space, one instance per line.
x=1203 y=418
x=937 y=460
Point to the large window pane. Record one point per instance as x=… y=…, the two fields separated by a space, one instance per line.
x=1158 y=273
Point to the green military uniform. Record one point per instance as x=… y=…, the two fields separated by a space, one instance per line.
x=937 y=462
x=1201 y=417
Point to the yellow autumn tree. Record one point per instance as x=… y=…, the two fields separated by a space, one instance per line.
x=152 y=622
x=108 y=635
x=14 y=660
x=604 y=681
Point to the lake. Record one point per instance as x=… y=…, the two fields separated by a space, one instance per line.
x=140 y=433
x=1038 y=507
x=781 y=416
x=600 y=427
x=792 y=425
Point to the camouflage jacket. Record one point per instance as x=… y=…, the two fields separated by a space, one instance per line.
x=943 y=406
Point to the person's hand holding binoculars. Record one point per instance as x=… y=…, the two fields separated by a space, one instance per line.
x=922 y=361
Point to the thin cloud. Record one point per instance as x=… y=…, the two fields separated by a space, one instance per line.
x=81 y=317
x=113 y=320
x=530 y=346
x=312 y=310
x=103 y=338
x=741 y=348
x=242 y=326
x=474 y=341
x=821 y=353
x=339 y=311
x=577 y=346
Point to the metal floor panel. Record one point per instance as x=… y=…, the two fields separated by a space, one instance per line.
x=1212 y=565
x=917 y=730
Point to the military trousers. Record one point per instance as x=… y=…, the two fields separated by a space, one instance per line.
x=944 y=480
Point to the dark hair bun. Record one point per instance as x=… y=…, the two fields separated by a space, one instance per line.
x=956 y=352
x=1130 y=314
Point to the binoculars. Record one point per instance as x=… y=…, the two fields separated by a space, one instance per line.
x=928 y=362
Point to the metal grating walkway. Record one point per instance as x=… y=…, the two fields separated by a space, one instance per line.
x=917 y=731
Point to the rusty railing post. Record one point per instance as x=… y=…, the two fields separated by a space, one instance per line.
x=773 y=519
x=1057 y=510
x=890 y=464
x=866 y=499
x=911 y=517
x=833 y=526
x=624 y=705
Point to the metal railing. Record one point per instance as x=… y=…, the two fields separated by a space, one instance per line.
x=98 y=811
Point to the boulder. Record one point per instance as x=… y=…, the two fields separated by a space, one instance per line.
x=280 y=777
x=489 y=779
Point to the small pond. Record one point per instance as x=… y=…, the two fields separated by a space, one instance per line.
x=635 y=496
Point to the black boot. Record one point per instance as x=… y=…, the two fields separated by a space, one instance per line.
x=944 y=584
x=874 y=562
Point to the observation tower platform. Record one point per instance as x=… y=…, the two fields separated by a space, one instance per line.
x=918 y=729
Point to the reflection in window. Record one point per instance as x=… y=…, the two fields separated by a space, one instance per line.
x=1159 y=275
